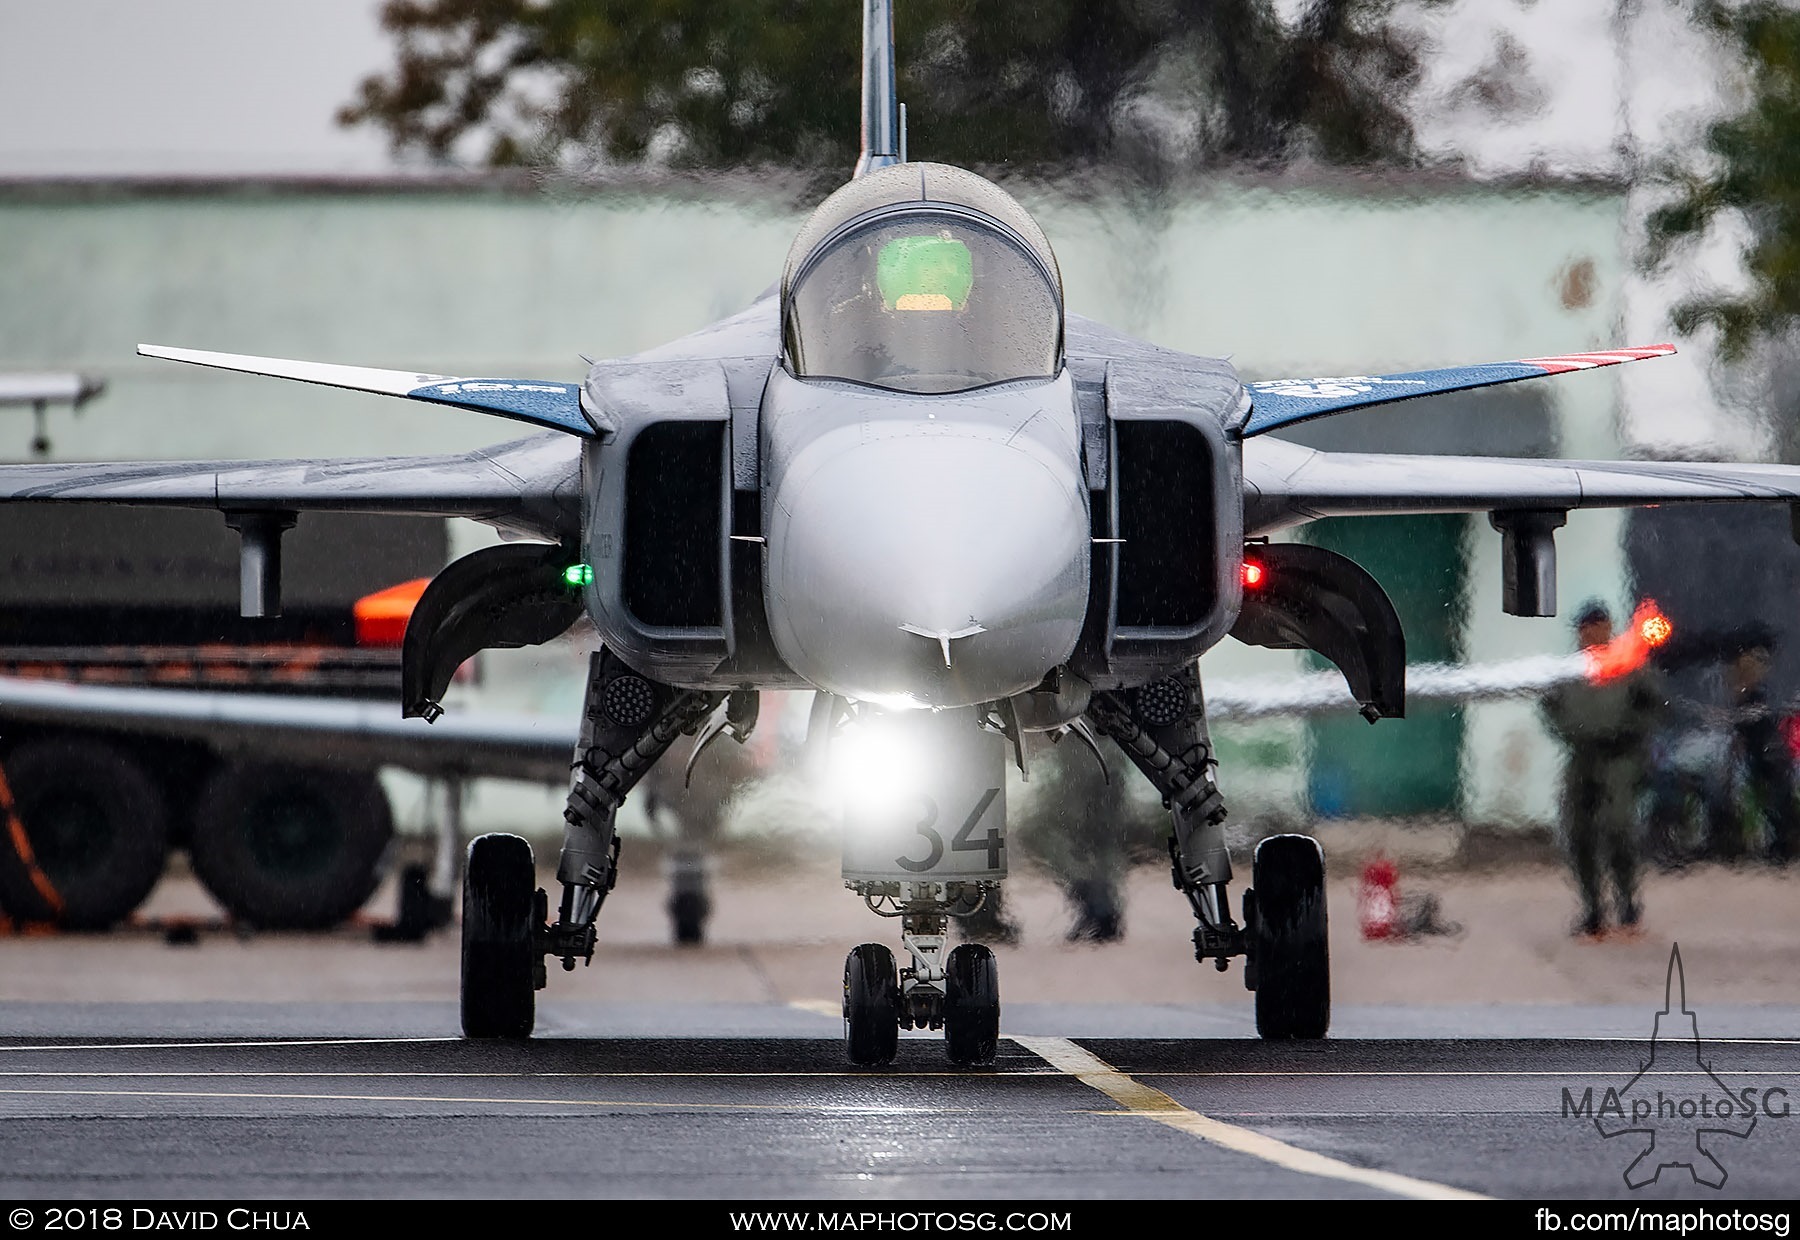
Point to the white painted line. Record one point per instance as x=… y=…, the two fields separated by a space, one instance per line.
x=1150 y=1103
x=833 y=1008
x=191 y=1046
x=1472 y=1072
x=809 y=1108
x=127 y=1074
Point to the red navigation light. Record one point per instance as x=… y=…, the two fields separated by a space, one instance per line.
x=1253 y=574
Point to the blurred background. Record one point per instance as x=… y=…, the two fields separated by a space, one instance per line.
x=1312 y=187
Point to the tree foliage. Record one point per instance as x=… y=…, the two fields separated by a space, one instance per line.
x=1753 y=168
x=1154 y=84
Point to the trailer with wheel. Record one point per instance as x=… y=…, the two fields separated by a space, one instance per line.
x=89 y=814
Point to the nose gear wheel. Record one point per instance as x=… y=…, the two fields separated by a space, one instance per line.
x=971 y=1005
x=871 y=1005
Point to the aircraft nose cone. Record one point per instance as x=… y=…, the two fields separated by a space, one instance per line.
x=887 y=553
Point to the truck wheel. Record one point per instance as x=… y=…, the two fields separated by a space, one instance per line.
x=83 y=835
x=290 y=848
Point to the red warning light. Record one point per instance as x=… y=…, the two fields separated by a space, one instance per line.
x=1253 y=574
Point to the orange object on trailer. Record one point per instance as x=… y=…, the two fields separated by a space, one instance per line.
x=381 y=617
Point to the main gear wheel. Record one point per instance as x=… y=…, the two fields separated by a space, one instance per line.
x=1288 y=946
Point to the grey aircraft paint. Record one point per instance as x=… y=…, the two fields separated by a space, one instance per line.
x=906 y=475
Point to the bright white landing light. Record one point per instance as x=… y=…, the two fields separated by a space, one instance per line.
x=872 y=767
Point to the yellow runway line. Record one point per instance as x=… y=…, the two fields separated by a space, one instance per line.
x=1143 y=1100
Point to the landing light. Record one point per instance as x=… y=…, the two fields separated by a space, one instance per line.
x=873 y=767
x=1254 y=574
x=578 y=575
x=1656 y=629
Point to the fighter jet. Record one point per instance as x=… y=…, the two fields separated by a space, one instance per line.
x=910 y=479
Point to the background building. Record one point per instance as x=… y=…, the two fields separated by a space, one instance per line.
x=495 y=276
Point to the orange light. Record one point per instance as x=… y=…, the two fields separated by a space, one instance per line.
x=1630 y=650
x=1253 y=574
x=381 y=617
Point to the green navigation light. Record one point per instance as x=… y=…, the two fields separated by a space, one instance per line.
x=578 y=575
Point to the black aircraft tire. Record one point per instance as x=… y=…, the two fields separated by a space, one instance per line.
x=1293 y=961
x=971 y=1005
x=871 y=1005
x=688 y=911
x=95 y=828
x=290 y=848
x=499 y=987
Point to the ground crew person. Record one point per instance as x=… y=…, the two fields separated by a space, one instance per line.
x=1768 y=766
x=1607 y=728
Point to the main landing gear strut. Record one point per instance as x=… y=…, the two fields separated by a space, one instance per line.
x=628 y=723
x=922 y=854
x=1161 y=727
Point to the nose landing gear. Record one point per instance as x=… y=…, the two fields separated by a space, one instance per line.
x=958 y=991
x=924 y=841
x=971 y=1005
x=871 y=1005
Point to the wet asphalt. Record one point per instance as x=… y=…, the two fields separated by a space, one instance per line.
x=228 y=1101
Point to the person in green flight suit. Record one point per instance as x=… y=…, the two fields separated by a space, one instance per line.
x=1607 y=728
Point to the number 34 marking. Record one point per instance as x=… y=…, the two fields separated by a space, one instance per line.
x=962 y=841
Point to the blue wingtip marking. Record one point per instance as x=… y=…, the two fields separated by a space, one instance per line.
x=555 y=405
x=1282 y=402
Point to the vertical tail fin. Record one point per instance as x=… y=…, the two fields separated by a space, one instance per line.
x=880 y=93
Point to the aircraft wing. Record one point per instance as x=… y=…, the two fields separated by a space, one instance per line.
x=307 y=731
x=1286 y=484
x=1284 y=402
x=530 y=486
x=541 y=402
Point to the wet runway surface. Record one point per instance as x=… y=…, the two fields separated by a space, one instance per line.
x=326 y=1066
x=650 y=1101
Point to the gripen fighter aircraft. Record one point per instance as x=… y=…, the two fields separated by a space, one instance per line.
x=909 y=479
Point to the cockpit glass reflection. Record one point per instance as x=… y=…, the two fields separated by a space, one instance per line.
x=924 y=303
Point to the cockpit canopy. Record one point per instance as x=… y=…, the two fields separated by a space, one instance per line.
x=918 y=286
